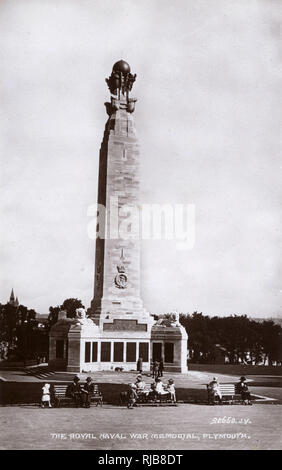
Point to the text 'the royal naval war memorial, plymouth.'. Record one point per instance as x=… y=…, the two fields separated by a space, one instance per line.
x=117 y=330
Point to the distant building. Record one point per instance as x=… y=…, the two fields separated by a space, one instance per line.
x=13 y=301
x=42 y=319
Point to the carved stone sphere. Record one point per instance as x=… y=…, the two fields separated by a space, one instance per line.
x=121 y=66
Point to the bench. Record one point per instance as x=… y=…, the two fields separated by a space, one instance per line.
x=97 y=396
x=60 y=396
x=149 y=399
x=228 y=392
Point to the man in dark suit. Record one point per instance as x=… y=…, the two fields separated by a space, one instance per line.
x=74 y=391
x=87 y=392
x=243 y=389
x=140 y=365
x=161 y=367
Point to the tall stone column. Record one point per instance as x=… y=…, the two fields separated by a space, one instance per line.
x=117 y=262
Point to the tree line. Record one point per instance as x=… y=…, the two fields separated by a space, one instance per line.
x=21 y=338
x=244 y=339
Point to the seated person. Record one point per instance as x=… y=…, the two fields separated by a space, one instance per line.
x=87 y=392
x=74 y=391
x=243 y=389
x=214 y=391
x=160 y=388
x=141 y=388
x=132 y=396
x=140 y=384
x=152 y=394
x=170 y=388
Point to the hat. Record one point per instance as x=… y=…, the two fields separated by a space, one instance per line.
x=47 y=385
x=76 y=379
x=139 y=376
x=242 y=379
x=170 y=381
x=89 y=379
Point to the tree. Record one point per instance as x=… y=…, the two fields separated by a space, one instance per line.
x=53 y=315
x=271 y=341
x=69 y=305
x=243 y=338
x=17 y=324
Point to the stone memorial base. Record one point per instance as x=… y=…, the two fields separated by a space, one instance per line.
x=116 y=343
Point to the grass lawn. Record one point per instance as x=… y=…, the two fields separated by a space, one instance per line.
x=236 y=369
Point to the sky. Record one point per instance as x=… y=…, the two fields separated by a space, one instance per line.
x=208 y=117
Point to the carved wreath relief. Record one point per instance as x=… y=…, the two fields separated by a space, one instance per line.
x=121 y=277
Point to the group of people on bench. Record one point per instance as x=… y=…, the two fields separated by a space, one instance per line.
x=215 y=394
x=139 y=392
x=81 y=395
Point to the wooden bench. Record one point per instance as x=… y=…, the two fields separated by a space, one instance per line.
x=97 y=396
x=60 y=395
x=61 y=398
x=160 y=399
x=228 y=392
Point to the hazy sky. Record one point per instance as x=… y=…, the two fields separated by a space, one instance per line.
x=209 y=121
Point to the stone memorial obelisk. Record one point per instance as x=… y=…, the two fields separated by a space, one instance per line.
x=117 y=307
x=117 y=261
x=118 y=330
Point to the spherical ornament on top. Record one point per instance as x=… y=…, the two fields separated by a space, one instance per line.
x=121 y=66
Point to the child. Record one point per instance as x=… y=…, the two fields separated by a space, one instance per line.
x=171 y=389
x=132 y=395
x=46 y=396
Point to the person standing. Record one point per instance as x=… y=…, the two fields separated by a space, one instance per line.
x=155 y=368
x=132 y=396
x=46 y=396
x=140 y=365
x=171 y=389
x=161 y=368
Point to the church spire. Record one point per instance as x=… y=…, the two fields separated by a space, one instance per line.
x=12 y=300
x=12 y=296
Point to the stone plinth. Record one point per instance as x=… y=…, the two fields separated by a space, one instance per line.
x=170 y=343
x=66 y=343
